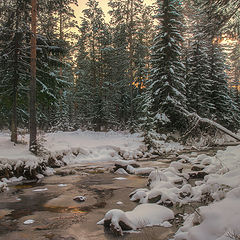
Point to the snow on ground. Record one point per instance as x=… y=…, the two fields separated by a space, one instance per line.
x=95 y=146
x=89 y=146
x=219 y=220
x=15 y=154
x=75 y=148
x=69 y=148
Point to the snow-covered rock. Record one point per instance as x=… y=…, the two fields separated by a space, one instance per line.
x=121 y=171
x=3 y=186
x=29 y=221
x=79 y=198
x=220 y=219
x=141 y=216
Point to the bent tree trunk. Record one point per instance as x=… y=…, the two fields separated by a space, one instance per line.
x=199 y=119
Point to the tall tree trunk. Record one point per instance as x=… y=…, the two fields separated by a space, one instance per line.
x=14 y=114
x=17 y=39
x=14 y=99
x=61 y=38
x=33 y=122
x=131 y=75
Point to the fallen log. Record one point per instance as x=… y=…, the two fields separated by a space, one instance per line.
x=199 y=119
x=227 y=144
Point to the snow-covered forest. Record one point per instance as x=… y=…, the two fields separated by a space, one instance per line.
x=141 y=70
x=150 y=93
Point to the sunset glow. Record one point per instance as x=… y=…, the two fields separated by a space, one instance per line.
x=102 y=3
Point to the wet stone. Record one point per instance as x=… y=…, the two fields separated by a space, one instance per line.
x=155 y=199
x=167 y=203
x=197 y=168
x=198 y=175
x=52 y=236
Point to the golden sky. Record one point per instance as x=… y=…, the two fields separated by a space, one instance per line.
x=103 y=4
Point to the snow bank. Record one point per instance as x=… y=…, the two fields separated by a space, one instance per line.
x=65 y=148
x=219 y=220
x=141 y=216
x=214 y=222
x=164 y=147
x=88 y=146
x=220 y=186
x=15 y=155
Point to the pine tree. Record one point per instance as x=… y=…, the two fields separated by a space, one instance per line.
x=14 y=60
x=224 y=108
x=143 y=42
x=32 y=102
x=235 y=58
x=120 y=62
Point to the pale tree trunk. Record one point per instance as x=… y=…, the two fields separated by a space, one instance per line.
x=32 y=108
x=220 y=128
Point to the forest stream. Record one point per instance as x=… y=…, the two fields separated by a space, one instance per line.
x=46 y=209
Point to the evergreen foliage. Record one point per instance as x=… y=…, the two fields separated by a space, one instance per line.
x=135 y=72
x=167 y=75
x=15 y=64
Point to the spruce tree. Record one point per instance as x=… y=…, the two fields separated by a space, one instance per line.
x=167 y=79
x=225 y=110
x=198 y=81
x=14 y=60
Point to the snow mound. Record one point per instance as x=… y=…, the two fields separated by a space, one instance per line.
x=165 y=187
x=141 y=216
x=216 y=221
